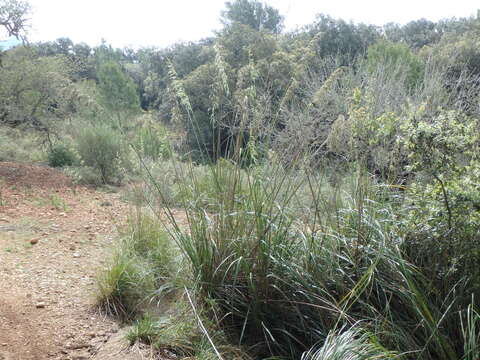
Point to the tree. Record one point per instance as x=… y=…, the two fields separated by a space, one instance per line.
x=118 y=90
x=416 y=33
x=35 y=91
x=254 y=14
x=337 y=38
x=13 y=17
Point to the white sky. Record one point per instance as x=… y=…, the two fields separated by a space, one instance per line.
x=163 y=22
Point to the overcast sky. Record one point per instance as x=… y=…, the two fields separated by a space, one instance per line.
x=163 y=22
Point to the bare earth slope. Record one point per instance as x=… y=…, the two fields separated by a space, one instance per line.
x=54 y=238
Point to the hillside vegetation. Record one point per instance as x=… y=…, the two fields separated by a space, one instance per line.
x=328 y=181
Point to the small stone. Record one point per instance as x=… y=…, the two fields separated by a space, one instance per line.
x=83 y=356
x=40 y=305
x=4 y=344
x=76 y=255
x=78 y=346
x=34 y=241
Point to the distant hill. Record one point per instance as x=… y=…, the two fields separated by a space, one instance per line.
x=9 y=43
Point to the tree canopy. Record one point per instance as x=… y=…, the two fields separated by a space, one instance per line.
x=253 y=13
x=14 y=17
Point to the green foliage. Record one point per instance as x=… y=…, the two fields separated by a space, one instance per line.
x=392 y=56
x=60 y=155
x=460 y=52
x=152 y=141
x=416 y=34
x=336 y=37
x=366 y=137
x=149 y=241
x=204 y=186
x=446 y=149
x=253 y=13
x=125 y=286
x=471 y=332
x=84 y=175
x=445 y=211
x=35 y=91
x=101 y=148
x=118 y=90
x=340 y=216
x=142 y=269
x=80 y=56
x=145 y=330
x=23 y=146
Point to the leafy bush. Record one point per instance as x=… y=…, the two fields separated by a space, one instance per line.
x=17 y=145
x=394 y=56
x=60 y=155
x=84 y=175
x=152 y=141
x=101 y=148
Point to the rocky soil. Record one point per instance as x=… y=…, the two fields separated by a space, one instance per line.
x=54 y=239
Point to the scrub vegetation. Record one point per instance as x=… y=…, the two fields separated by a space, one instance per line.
x=310 y=194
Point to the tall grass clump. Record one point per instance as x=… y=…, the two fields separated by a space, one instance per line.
x=143 y=269
x=292 y=260
x=281 y=285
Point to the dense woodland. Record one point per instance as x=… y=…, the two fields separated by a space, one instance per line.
x=330 y=176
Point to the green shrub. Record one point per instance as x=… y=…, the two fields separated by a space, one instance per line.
x=84 y=175
x=60 y=155
x=152 y=141
x=394 y=56
x=101 y=148
x=23 y=146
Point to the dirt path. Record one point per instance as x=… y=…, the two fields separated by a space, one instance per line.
x=54 y=239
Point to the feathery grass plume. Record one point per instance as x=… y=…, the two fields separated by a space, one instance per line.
x=184 y=106
x=178 y=88
x=319 y=95
x=351 y=344
x=221 y=66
